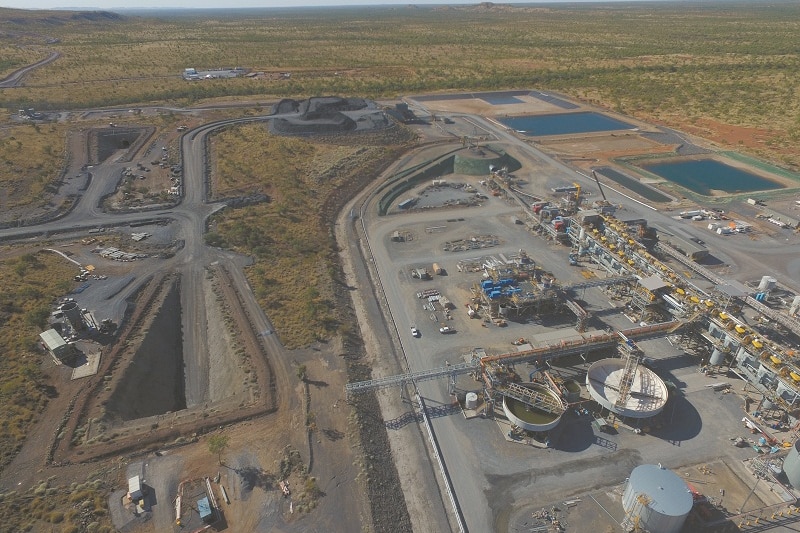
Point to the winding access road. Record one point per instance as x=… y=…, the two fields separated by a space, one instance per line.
x=15 y=78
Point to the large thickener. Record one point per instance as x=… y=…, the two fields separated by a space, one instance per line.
x=656 y=500
x=791 y=465
x=625 y=388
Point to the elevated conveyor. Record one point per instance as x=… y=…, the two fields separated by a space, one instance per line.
x=412 y=377
x=603 y=282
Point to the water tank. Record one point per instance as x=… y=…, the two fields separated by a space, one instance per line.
x=767 y=283
x=531 y=418
x=471 y=401
x=656 y=500
x=791 y=465
x=717 y=357
x=73 y=314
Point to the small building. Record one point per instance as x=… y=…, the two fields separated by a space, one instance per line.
x=135 y=488
x=588 y=216
x=693 y=250
x=54 y=343
x=784 y=219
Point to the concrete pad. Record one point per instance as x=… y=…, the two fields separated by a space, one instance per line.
x=89 y=368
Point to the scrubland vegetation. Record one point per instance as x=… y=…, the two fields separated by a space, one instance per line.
x=289 y=237
x=31 y=157
x=31 y=283
x=79 y=507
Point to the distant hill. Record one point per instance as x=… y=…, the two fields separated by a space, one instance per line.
x=16 y=18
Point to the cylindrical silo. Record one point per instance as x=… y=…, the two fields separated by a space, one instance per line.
x=717 y=357
x=791 y=465
x=767 y=283
x=656 y=500
x=73 y=314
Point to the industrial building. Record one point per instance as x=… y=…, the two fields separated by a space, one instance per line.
x=61 y=350
x=693 y=250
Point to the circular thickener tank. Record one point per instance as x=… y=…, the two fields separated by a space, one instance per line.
x=531 y=418
x=648 y=393
x=471 y=400
x=791 y=465
x=656 y=499
x=717 y=357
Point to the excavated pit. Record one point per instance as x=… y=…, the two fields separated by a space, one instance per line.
x=153 y=383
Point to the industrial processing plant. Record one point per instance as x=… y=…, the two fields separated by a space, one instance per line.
x=575 y=321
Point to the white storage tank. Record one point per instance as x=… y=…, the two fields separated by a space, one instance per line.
x=656 y=500
x=717 y=357
x=791 y=465
x=471 y=401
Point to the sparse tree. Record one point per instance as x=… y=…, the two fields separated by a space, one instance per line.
x=217 y=444
x=301 y=373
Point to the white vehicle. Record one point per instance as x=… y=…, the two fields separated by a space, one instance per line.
x=446 y=329
x=414 y=331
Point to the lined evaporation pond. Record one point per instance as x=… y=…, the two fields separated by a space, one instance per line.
x=563 y=124
x=153 y=384
x=704 y=176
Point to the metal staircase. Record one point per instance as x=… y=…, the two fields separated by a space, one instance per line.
x=625 y=383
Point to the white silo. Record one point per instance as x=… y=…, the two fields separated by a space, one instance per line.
x=656 y=500
x=791 y=465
